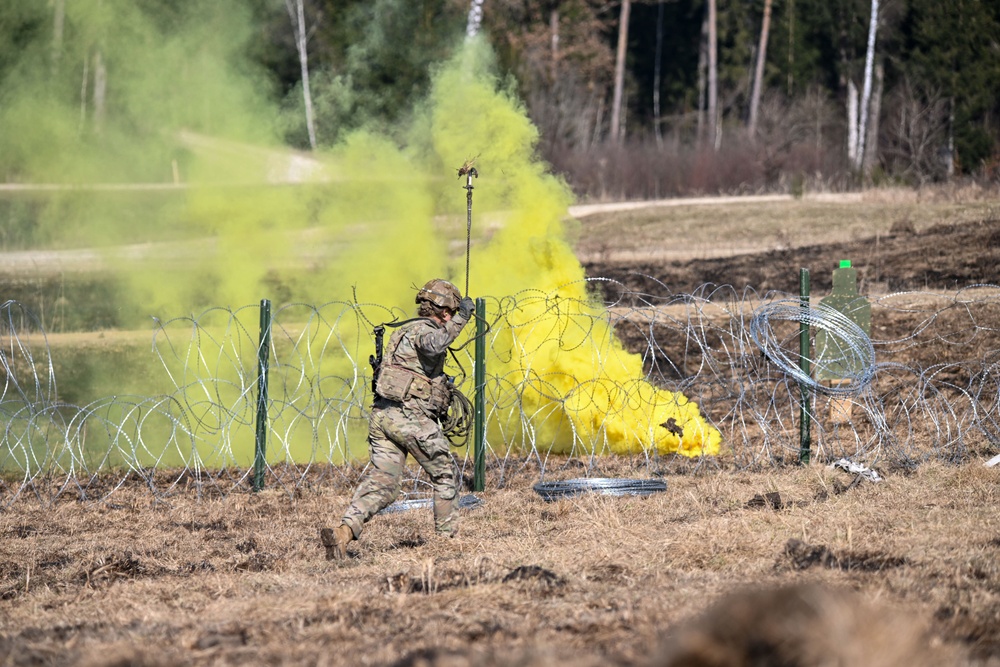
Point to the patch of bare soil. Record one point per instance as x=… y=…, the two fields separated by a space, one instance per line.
x=942 y=257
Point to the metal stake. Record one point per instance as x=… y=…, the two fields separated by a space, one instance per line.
x=263 y=362
x=479 y=378
x=805 y=431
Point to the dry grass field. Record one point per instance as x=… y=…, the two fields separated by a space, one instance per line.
x=699 y=229
x=901 y=572
x=797 y=565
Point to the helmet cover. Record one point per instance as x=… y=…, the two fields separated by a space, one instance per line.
x=441 y=293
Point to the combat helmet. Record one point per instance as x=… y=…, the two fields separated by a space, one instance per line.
x=441 y=293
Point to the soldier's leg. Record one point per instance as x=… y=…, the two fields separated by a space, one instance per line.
x=432 y=451
x=382 y=481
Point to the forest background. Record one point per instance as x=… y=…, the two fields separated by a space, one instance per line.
x=632 y=100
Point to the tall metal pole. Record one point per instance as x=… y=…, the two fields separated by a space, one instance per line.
x=804 y=394
x=470 y=173
x=263 y=358
x=479 y=377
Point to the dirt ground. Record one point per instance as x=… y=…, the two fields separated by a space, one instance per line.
x=944 y=256
x=800 y=565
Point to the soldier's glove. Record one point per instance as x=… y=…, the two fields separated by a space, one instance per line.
x=466 y=307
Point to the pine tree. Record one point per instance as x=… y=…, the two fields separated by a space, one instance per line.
x=953 y=50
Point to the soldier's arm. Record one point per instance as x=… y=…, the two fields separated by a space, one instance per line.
x=435 y=340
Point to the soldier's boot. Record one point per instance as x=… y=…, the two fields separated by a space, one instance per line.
x=446 y=516
x=336 y=540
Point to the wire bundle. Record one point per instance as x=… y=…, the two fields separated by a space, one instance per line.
x=607 y=486
x=855 y=347
x=457 y=422
x=417 y=501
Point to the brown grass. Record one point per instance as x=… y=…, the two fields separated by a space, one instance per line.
x=695 y=231
x=584 y=581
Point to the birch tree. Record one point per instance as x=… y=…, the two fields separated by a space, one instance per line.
x=713 y=75
x=875 y=109
x=866 y=90
x=852 y=122
x=702 y=78
x=296 y=13
x=58 y=25
x=475 y=19
x=656 y=73
x=100 y=91
x=758 y=78
x=616 y=100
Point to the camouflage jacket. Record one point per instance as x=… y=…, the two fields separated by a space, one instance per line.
x=420 y=349
x=422 y=345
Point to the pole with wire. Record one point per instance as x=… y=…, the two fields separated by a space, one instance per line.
x=470 y=173
x=805 y=396
x=479 y=409
x=263 y=364
x=479 y=357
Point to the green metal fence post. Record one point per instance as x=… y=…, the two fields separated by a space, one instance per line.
x=263 y=358
x=805 y=397
x=479 y=378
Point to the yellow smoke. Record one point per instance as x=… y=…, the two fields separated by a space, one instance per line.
x=367 y=225
x=254 y=220
x=566 y=354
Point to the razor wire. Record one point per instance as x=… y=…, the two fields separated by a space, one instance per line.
x=854 y=351
x=567 y=488
x=926 y=386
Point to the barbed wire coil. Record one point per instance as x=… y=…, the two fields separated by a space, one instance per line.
x=855 y=350
x=607 y=486
x=466 y=502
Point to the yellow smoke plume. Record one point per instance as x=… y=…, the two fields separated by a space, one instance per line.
x=370 y=220
x=560 y=347
x=249 y=219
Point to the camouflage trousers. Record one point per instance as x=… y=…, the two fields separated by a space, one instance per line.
x=394 y=432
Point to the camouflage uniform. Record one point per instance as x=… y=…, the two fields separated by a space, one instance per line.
x=410 y=426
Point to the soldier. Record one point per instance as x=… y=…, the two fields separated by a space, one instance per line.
x=411 y=394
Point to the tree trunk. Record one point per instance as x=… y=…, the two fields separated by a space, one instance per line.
x=599 y=118
x=83 y=93
x=758 y=77
x=616 y=101
x=852 y=122
x=297 y=15
x=475 y=19
x=100 y=91
x=819 y=130
x=656 y=74
x=949 y=152
x=702 y=79
x=58 y=23
x=866 y=92
x=791 y=46
x=713 y=77
x=554 y=29
x=871 y=139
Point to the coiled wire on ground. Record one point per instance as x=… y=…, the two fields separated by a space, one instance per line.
x=604 y=485
x=457 y=422
x=417 y=501
x=856 y=351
